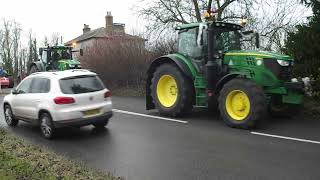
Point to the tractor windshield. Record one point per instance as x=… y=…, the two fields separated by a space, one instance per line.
x=59 y=54
x=228 y=40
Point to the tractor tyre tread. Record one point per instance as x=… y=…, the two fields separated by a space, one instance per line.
x=258 y=104
x=184 y=102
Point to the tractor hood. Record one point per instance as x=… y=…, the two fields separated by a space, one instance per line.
x=259 y=54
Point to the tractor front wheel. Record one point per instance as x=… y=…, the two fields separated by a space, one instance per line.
x=242 y=103
x=171 y=91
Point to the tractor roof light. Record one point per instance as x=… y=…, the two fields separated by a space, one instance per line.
x=207 y=14
x=243 y=21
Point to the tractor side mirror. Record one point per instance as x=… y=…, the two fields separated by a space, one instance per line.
x=81 y=52
x=40 y=51
x=257 y=39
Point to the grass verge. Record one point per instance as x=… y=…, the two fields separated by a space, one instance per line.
x=311 y=107
x=128 y=92
x=22 y=160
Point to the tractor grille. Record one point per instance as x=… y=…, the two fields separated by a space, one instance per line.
x=285 y=73
x=281 y=72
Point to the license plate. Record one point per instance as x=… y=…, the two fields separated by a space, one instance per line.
x=91 y=112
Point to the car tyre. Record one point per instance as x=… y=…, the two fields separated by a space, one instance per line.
x=9 y=117
x=46 y=126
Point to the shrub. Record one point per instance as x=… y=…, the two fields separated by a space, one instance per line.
x=118 y=63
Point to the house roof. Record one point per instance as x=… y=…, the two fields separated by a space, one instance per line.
x=100 y=33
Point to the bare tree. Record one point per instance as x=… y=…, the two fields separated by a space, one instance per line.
x=272 y=19
x=275 y=19
x=55 y=39
x=166 y=14
x=16 y=33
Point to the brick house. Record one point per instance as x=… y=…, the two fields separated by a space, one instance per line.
x=111 y=31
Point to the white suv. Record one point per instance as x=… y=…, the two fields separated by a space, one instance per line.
x=58 y=99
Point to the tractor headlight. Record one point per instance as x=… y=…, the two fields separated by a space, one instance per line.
x=283 y=62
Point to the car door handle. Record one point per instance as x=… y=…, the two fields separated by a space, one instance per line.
x=38 y=100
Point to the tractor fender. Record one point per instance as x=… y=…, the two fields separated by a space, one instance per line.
x=225 y=79
x=173 y=59
x=38 y=64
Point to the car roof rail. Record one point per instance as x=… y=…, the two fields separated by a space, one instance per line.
x=81 y=70
x=35 y=73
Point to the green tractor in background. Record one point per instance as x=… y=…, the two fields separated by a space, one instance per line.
x=54 y=58
x=211 y=69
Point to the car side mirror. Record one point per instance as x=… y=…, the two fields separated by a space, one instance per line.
x=81 y=52
x=14 y=91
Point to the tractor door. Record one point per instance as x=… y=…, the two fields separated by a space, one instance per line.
x=189 y=46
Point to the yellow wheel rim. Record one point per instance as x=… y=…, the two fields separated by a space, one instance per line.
x=238 y=105
x=167 y=91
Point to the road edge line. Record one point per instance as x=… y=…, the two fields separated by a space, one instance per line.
x=285 y=137
x=149 y=116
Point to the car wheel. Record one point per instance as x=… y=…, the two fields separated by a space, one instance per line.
x=46 y=126
x=9 y=117
x=101 y=124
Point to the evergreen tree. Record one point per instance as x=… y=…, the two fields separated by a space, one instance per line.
x=304 y=43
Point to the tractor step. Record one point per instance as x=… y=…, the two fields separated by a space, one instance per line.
x=200 y=88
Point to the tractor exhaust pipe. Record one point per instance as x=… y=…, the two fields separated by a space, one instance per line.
x=213 y=69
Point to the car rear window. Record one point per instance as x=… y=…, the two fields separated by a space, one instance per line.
x=81 y=84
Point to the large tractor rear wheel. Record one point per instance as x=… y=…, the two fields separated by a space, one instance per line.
x=33 y=69
x=242 y=104
x=171 y=91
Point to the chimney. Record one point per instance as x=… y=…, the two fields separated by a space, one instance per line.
x=86 y=28
x=109 y=24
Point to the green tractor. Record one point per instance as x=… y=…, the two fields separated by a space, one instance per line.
x=211 y=69
x=55 y=58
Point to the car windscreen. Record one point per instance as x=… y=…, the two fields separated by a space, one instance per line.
x=81 y=84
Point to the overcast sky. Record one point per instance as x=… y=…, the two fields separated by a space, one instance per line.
x=67 y=16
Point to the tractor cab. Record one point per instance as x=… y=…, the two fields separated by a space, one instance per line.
x=193 y=39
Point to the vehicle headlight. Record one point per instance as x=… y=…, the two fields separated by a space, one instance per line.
x=283 y=62
x=259 y=62
x=71 y=65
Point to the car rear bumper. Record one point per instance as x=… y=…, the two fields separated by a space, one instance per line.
x=83 y=121
x=4 y=83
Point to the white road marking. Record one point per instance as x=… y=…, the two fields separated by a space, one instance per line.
x=149 y=116
x=285 y=137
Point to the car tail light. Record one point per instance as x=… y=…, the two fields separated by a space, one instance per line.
x=107 y=94
x=64 y=100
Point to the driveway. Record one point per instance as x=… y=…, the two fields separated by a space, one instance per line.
x=140 y=145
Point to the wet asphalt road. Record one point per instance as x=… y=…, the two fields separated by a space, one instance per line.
x=144 y=148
